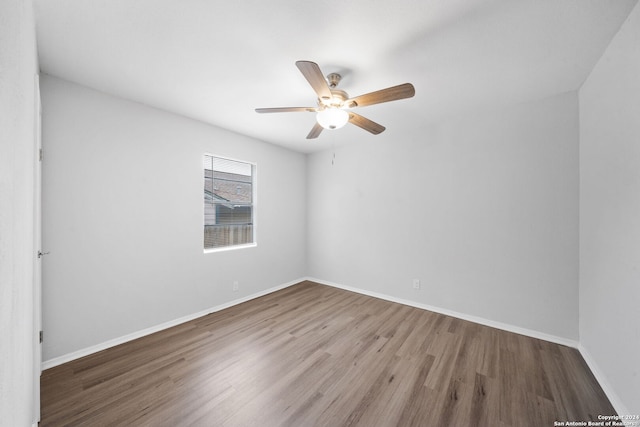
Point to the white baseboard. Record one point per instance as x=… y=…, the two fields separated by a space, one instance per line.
x=480 y=320
x=620 y=408
x=130 y=337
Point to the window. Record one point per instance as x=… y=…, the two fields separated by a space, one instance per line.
x=228 y=203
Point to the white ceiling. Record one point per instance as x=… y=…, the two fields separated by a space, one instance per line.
x=216 y=60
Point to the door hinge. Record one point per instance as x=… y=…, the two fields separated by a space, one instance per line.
x=40 y=155
x=41 y=336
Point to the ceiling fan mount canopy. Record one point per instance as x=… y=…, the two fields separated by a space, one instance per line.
x=333 y=103
x=333 y=79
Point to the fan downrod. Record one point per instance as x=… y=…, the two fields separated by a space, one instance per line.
x=333 y=79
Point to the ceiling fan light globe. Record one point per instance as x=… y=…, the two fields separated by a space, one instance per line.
x=332 y=118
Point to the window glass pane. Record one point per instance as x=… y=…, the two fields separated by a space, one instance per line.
x=222 y=236
x=228 y=202
x=232 y=187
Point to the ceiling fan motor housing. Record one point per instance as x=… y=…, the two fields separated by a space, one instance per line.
x=336 y=101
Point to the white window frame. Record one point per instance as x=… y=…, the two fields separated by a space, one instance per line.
x=254 y=202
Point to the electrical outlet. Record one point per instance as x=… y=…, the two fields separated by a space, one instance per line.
x=416 y=283
x=236 y=286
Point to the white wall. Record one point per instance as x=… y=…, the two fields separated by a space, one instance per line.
x=482 y=209
x=123 y=215
x=610 y=216
x=18 y=68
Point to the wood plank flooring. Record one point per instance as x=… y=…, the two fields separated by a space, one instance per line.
x=313 y=355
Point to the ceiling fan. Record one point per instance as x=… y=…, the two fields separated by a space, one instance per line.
x=333 y=103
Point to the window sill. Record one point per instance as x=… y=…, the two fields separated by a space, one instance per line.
x=230 y=248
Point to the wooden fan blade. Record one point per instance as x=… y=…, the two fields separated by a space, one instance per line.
x=285 y=110
x=366 y=124
x=312 y=73
x=315 y=131
x=385 y=95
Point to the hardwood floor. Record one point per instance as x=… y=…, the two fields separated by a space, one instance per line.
x=315 y=355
